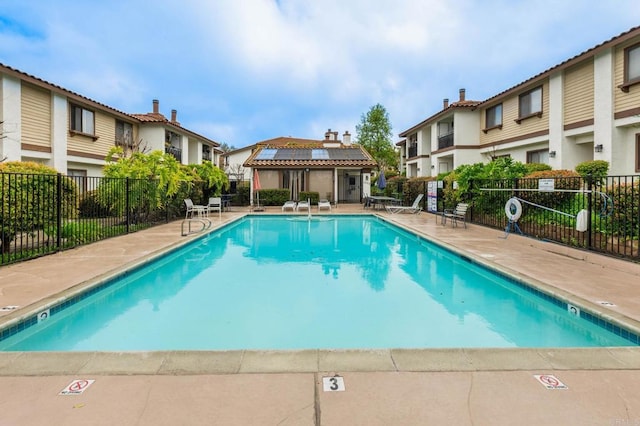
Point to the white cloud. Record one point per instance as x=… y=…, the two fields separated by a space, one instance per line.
x=244 y=71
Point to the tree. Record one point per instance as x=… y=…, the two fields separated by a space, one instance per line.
x=225 y=147
x=374 y=134
x=156 y=176
x=212 y=178
x=29 y=193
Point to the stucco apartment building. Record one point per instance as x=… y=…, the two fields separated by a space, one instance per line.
x=46 y=123
x=585 y=108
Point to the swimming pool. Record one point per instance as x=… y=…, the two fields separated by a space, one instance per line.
x=334 y=282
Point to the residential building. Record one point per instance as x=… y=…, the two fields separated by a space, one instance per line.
x=49 y=124
x=585 y=108
x=336 y=169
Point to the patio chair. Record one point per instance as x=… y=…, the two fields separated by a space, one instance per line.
x=459 y=213
x=289 y=205
x=302 y=205
x=324 y=204
x=413 y=208
x=193 y=208
x=215 y=205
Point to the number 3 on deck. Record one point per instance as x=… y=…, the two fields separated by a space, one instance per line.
x=333 y=384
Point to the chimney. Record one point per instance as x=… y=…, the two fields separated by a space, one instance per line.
x=327 y=135
x=346 y=138
x=445 y=103
x=462 y=93
x=156 y=106
x=174 y=114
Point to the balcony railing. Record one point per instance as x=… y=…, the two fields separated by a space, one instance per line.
x=413 y=151
x=206 y=155
x=445 y=141
x=175 y=151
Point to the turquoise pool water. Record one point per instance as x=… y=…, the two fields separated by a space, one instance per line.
x=290 y=283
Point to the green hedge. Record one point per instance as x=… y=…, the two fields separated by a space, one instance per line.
x=273 y=197
x=313 y=196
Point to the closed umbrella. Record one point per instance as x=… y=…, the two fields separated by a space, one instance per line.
x=256 y=185
x=382 y=181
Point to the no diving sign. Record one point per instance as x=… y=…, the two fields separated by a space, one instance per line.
x=76 y=387
x=550 y=381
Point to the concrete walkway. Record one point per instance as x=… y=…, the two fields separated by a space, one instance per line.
x=383 y=387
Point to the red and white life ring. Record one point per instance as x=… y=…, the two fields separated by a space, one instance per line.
x=513 y=209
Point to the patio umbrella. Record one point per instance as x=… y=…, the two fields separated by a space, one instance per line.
x=256 y=184
x=382 y=181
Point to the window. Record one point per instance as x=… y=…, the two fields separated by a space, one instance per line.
x=540 y=156
x=82 y=120
x=631 y=67
x=493 y=117
x=79 y=177
x=530 y=103
x=124 y=134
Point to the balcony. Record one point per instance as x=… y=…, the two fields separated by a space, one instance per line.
x=445 y=141
x=175 y=151
x=413 y=151
x=206 y=154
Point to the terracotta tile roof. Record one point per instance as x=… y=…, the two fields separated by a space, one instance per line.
x=292 y=152
x=151 y=117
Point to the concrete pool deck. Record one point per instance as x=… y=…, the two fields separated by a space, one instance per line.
x=382 y=387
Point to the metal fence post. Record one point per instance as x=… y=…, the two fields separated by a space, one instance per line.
x=126 y=204
x=59 y=211
x=589 y=179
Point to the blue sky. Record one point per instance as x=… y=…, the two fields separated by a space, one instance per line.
x=244 y=71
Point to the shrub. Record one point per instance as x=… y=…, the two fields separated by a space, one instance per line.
x=274 y=197
x=90 y=207
x=76 y=233
x=626 y=209
x=536 y=167
x=29 y=194
x=241 y=196
x=563 y=179
x=304 y=195
x=597 y=169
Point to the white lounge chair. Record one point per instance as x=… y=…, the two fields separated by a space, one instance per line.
x=215 y=205
x=414 y=208
x=459 y=213
x=289 y=205
x=302 y=205
x=194 y=209
x=324 y=204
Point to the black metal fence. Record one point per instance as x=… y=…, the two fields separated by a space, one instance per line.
x=42 y=214
x=602 y=215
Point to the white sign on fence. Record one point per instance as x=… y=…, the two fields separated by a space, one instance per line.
x=546 y=184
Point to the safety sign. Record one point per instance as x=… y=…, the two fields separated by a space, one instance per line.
x=550 y=382
x=76 y=387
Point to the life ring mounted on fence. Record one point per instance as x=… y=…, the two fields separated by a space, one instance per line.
x=513 y=209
